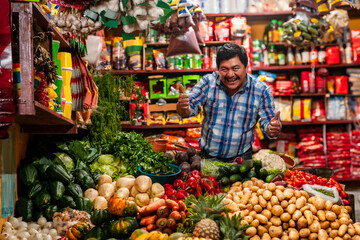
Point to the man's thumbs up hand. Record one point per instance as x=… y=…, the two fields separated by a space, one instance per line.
x=274 y=126
x=181 y=88
x=183 y=104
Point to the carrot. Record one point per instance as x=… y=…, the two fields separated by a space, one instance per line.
x=161 y=223
x=150 y=227
x=171 y=223
x=182 y=206
x=175 y=208
x=183 y=215
x=151 y=208
x=163 y=212
x=168 y=231
x=148 y=220
x=171 y=203
x=175 y=215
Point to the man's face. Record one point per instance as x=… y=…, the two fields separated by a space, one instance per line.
x=232 y=74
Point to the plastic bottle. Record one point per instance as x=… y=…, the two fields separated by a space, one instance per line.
x=298 y=59
x=322 y=55
x=342 y=54
x=206 y=58
x=266 y=35
x=290 y=57
x=281 y=56
x=274 y=31
x=265 y=56
x=305 y=56
x=314 y=56
x=272 y=55
x=281 y=31
x=348 y=53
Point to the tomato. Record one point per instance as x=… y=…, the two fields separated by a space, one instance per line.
x=346 y=202
x=343 y=194
x=289 y=173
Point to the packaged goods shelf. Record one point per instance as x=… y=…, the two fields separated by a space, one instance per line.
x=161 y=44
x=297 y=123
x=259 y=16
x=140 y=127
x=303 y=67
x=166 y=71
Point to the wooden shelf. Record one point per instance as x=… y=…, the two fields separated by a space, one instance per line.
x=41 y=19
x=160 y=44
x=46 y=121
x=302 y=95
x=348 y=179
x=260 y=16
x=301 y=67
x=176 y=126
x=298 y=123
x=166 y=71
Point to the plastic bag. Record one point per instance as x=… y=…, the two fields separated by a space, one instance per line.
x=184 y=44
x=311 y=190
x=94 y=49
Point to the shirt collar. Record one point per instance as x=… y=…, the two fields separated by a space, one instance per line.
x=246 y=87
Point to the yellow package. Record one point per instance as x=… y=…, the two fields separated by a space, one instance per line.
x=193 y=120
x=156 y=118
x=306 y=109
x=133 y=49
x=296 y=109
x=173 y=118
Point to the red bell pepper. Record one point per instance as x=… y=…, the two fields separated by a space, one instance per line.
x=179 y=184
x=190 y=185
x=196 y=174
x=184 y=176
x=181 y=194
x=207 y=185
x=215 y=184
x=170 y=192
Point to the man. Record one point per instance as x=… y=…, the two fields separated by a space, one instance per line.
x=233 y=101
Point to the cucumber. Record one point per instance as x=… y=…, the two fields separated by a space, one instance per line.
x=257 y=165
x=263 y=173
x=246 y=166
x=234 y=169
x=235 y=178
x=252 y=174
x=269 y=178
x=224 y=181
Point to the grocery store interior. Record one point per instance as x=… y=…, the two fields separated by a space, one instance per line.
x=94 y=143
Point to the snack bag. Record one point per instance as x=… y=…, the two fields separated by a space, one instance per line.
x=149 y=59
x=133 y=49
x=159 y=55
x=118 y=52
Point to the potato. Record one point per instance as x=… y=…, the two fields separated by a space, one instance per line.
x=304 y=194
x=285 y=237
x=268 y=206
x=236 y=199
x=325 y=224
x=291 y=209
x=335 y=225
x=261 y=230
x=267 y=195
x=271 y=187
x=284 y=204
x=319 y=203
x=321 y=215
x=266 y=213
x=302 y=222
x=242 y=206
x=297 y=194
x=336 y=209
x=262 y=219
x=251 y=231
x=253 y=214
x=249 y=219
x=244 y=200
x=254 y=188
x=300 y=202
x=266 y=236
x=249 y=206
x=292 y=200
x=293 y=234
x=285 y=225
x=275 y=231
x=256 y=237
x=304 y=208
x=309 y=216
x=346 y=236
x=296 y=216
x=315 y=227
x=274 y=200
x=323 y=235
x=288 y=193
x=260 y=192
x=281 y=188
x=106 y=190
x=328 y=205
x=348 y=208
x=331 y=216
x=100 y=203
x=342 y=230
x=104 y=179
x=357 y=228
x=123 y=193
x=313 y=236
x=259 y=183
x=91 y=194
x=231 y=205
x=245 y=213
x=277 y=210
x=304 y=233
x=285 y=217
x=276 y=221
x=344 y=220
x=312 y=208
x=254 y=200
x=257 y=208
x=351 y=230
x=280 y=195
x=262 y=202
x=243 y=222
x=333 y=233
x=255 y=223
x=292 y=223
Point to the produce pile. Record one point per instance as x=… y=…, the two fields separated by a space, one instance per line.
x=75 y=192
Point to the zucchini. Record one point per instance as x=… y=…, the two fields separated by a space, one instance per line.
x=42 y=200
x=306 y=36
x=35 y=189
x=313 y=30
x=74 y=190
x=57 y=172
x=49 y=212
x=84 y=204
x=28 y=174
x=57 y=189
x=301 y=26
x=66 y=201
x=24 y=208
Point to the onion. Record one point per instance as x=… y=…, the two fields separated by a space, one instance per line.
x=23 y=234
x=14 y=222
x=53 y=232
x=13 y=237
x=45 y=231
x=7 y=229
x=33 y=232
x=4 y=236
x=23 y=225
x=7 y=224
x=42 y=221
x=22 y=229
x=48 y=225
x=38 y=236
x=34 y=226
x=46 y=237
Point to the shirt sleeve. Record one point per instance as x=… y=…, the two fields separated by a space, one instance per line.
x=266 y=110
x=197 y=95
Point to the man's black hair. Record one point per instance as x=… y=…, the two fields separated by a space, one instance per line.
x=231 y=50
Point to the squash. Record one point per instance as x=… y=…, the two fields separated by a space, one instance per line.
x=84 y=204
x=98 y=233
x=77 y=231
x=137 y=233
x=120 y=207
x=123 y=227
x=101 y=216
x=28 y=174
x=49 y=212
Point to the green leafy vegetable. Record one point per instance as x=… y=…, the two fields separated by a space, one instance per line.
x=66 y=160
x=108 y=164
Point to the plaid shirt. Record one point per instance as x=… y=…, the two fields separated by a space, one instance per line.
x=229 y=122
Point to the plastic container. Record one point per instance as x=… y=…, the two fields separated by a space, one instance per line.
x=172 y=88
x=163 y=179
x=159 y=145
x=66 y=74
x=58 y=90
x=67 y=109
x=58 y=64
x=189 y=81
x=157 y=88
x=55 y=48
x=65 y=59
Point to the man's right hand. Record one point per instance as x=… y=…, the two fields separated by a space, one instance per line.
x=183 y=104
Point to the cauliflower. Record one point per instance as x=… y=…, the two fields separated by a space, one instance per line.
x=270 y=160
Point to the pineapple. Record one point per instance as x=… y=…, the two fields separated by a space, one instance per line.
x=231 y=229
x=205 y=211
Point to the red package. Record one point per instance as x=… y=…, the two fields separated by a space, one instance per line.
x=189 y=139
x=178 y=133
x=174 y=139
x=313 y=147
x=318 y=110
x=312 y=138
x=193 y=132
x=210 y=31
x=341 y=85
x=333 y=55
x=222 y=30
x=355 y=37
x=305 y=144
x=193 y=145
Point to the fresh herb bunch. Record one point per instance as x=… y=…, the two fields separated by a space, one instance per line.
x=134 y=150
x=111 y=110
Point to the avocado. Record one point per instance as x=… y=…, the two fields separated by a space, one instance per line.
x=257 y=165
x=269 y=178
x=235 y=178
x=225 y=171
x=252 y=174
x=224 y=181
x=246 y=166
x=234 y=169
x=263 y=173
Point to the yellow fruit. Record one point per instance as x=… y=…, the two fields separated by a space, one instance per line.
x=154 y=235
x=164 y=236
x=137 y=233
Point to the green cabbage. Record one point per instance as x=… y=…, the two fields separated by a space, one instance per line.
x=108 y=164
x=66 y=160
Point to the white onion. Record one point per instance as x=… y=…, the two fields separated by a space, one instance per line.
x=7 y=229
x=23 y=234
x=22 y=229
x=38 y=236
x=46 y=237
x=14 y=222
x=53 y=232
x=13 y=237
x=45 y=231
x=23 y=224
x=33 y=231
x=48 y=225
x=4 y=236
x=7 y=224
x=34 y=226
x=41 y=221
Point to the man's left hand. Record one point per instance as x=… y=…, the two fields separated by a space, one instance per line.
x=274 y=126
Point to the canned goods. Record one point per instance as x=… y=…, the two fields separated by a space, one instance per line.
x=188 y=61
x=162 y=38
x=213 y=51
x=197 y=62
x=179 y=63
x=151 y=37
x=213 y=62
x=171 y=63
